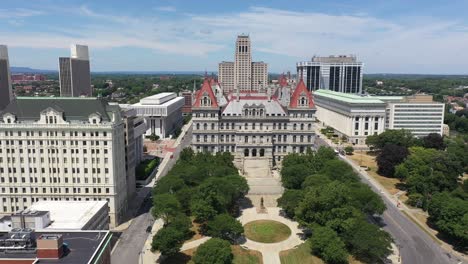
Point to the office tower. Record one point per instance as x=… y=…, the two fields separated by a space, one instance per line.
x=244 y=74
x=335 y=73
x=5 y=78
x=63 y=149
x=226 y=76
x=74 y=71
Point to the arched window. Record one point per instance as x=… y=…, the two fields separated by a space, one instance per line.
x=294 y=126
x=246 y=152
x=294 y=139
x=261 y=112
x=205 y=126
x=198 y=126
x=302 y=126
x=262 y=152
x=246 y=112
x=212 y=126
x=309 y=126
x=302 y=138
x=254 y=152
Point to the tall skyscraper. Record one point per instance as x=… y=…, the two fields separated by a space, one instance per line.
x=336 y=73
x=5 y=78
x=74 y=71
x=242 y=73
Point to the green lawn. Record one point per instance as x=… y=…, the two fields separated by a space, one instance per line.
x=266 y=231
x=299 y=255
x=302 y=255
x=243 y=256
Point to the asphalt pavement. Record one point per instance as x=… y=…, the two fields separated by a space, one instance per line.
x=128 y=248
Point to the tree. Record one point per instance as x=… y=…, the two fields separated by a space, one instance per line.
x=213 y=251
x=338 y=170
x=166 y=206
x=398 y=137
x=225 y=226
x=349 y=150
x=450 y=216
x=390 y=156
x=293 y=176
x=434 y=140
x=202 y=210
x=368 y=242
x=154 y=137
x=290 y=200
x=168 y=240
x=326 y=243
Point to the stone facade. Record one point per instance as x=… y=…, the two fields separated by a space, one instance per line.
x=254 y=125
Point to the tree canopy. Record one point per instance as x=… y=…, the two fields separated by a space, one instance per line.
x=213 y=251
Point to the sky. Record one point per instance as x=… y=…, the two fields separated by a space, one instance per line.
x=388 y=36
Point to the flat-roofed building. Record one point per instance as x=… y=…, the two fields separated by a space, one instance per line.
x=336 y=73
x=358 y=116
x=162 y=113
x=74 y=73
x=6 y=93
x=352 y=116
x=416 y=113
x=62 y=149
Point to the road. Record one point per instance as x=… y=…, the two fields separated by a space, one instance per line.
x=131 y=242
x=416 y=247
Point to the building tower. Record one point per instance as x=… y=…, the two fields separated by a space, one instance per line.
x=6 y=94
x=243 y=64
x=336 y=73
x=74 y=72
x=242 y=73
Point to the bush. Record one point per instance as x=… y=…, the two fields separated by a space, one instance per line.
x=153 y=137
x=349 y=150
x=144 y=169
x=213 y=251
x=226 y=227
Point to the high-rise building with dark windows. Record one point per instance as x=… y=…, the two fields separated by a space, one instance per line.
x=336 y=73
x=5 y=78
x=74 y=71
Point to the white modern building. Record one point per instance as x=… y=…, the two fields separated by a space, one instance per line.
x=336 y=73
x=417 y=113
x=162 y=113
x=254 y=126
x=358 y=116
x=242 y=73
x=60 y=215
x=352 y=116
x=62 y=149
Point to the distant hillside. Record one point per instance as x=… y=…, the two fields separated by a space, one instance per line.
x=30 y=70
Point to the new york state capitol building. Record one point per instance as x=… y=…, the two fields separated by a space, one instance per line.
x=265 y=124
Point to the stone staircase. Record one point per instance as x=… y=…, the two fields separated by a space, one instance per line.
x=260 y=178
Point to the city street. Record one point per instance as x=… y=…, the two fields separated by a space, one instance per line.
x=416 y=247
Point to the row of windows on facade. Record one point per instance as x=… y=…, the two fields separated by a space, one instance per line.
x=253 y=139
x=366 y=126
x=54 y=151
x=212 y=149
x=55 y=170
x=253 y=126
x=56 y=180
x=52 y=142
x=53 y=133
x=52 y=160
x=58 y=190
x=16 y=208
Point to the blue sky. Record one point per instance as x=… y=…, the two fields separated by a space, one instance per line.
x=411 y=36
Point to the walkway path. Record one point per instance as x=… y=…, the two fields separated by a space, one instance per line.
x=270 y=251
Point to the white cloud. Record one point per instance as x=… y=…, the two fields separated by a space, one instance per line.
x=383 y=44
x=19 y=12
x=166 y=8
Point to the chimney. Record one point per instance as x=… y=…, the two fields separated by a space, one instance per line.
x=50 y=246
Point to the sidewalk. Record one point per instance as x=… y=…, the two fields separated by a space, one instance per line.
x=146 y=256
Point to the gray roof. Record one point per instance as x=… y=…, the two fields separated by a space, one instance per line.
x=73 y=108
x=272 y=108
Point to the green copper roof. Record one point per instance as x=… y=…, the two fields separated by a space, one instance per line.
x=348 y=98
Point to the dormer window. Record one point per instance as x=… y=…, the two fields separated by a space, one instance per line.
x=205 y=101
x=303 y=101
